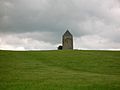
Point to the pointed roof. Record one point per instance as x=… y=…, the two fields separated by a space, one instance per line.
x=67 y=33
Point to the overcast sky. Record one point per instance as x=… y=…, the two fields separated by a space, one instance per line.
x=40 y=24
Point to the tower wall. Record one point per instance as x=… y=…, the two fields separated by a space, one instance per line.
x=67 y=41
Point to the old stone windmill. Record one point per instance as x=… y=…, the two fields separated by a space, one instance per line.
x=67 y=41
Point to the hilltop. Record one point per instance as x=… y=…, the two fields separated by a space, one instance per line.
x=60 y=70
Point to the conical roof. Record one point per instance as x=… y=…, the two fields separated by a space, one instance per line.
x=67 y=33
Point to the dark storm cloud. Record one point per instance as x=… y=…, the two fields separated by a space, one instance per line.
x=39 y=15
x=25 y=16
x=47 y=20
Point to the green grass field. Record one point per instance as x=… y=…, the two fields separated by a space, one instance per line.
x=60 y=70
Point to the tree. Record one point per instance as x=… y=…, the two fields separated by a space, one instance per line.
x=60 y=47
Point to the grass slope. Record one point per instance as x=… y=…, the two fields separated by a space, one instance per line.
x=59 y=70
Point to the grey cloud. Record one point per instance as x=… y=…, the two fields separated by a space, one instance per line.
x=16 y=42
x=47 y=20
x=57 y=16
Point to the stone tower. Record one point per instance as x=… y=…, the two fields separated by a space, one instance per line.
x=67 y=41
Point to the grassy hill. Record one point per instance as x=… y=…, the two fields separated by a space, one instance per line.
x=60 y=70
